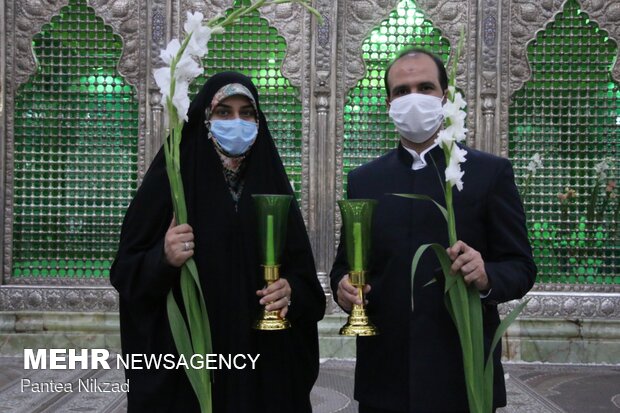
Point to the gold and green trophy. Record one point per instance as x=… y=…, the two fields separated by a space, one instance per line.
x=272 y=216
x=357 y=221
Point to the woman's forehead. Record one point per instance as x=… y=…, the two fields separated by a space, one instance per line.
x=236 y=99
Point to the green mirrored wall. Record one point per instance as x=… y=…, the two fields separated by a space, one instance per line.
x=75 y=150
x=368 y=130
x=569 y=114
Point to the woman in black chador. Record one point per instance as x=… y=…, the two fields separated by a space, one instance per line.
x=227 y=154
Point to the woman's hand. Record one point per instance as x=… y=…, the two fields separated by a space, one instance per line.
x=178 y=243
x=276 y=297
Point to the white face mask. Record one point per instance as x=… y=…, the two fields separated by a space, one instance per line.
x=416 y=116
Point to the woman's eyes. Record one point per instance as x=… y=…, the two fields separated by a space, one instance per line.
x=221 y=112
x=224 y=113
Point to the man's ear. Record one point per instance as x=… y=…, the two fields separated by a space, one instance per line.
x=445 y=97
x=388 y=102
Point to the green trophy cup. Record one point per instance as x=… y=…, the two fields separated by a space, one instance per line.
x=272 y=216
x=357 y=220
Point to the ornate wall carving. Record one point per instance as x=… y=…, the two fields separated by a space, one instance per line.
x=487 y=138
x=527 y=18
x=294 y=23
x=322 y=172
x=607 y=15
x=86 y=299
x=568 y=305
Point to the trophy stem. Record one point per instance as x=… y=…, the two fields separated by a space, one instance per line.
x=271 y=320
x=358 y=323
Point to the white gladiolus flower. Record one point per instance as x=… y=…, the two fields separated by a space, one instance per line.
x=535 y=163
x=163 y=79
x=170 y=52
x=457 y=132
x=193 y=22
x=187 y=68
x=197 y=45
x=450 y=110
x=454 y=175
x=180 y=100
x=459 y=101
x=457 y=155
x=444 y=139
x=601 y=169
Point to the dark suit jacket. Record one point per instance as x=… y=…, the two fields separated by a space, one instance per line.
x=415 y=363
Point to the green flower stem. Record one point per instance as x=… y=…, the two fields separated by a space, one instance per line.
x=593 y=200
x=243 y=11
x=526 y=186
x=603 y=208
x=196 y=339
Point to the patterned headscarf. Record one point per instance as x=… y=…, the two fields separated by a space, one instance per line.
x=233 y=166
x=227 y=91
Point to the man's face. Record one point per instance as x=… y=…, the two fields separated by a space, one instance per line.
x=416 y=73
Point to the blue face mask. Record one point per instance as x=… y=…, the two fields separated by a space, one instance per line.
x=234 y=136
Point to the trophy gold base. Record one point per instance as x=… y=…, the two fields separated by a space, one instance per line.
x=271 y=321
x=358 y=324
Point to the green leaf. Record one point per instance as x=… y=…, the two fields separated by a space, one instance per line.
x=444 y=260
x=192 y=309
x=463 y=305
x=183 y=344
x=193 y=270
x=488 y=369
x=426 y=198
x=503 y=326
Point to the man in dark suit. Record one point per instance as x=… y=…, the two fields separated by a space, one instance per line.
x=415 y=363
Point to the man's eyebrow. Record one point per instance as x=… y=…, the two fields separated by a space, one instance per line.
x=397 y=87
x=428 y=83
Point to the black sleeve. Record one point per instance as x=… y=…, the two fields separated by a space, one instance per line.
x=140 y=270
x=509 y=263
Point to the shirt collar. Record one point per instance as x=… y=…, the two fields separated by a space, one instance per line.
x=419 y=161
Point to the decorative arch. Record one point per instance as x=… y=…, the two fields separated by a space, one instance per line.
x=73 y=153
x=568 y=113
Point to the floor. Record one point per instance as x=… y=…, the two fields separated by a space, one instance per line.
x=536 y=388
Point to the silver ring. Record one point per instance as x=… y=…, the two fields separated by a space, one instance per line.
x=186 y=246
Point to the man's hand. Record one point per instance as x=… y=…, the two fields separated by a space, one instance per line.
x=179 y=243
x=348 y=294
x=276 y=297
x=469 y=262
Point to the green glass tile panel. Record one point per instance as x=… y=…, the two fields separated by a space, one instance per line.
x=255 y=49
x=368 y=130
x=569 y=113
x=76 y=129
